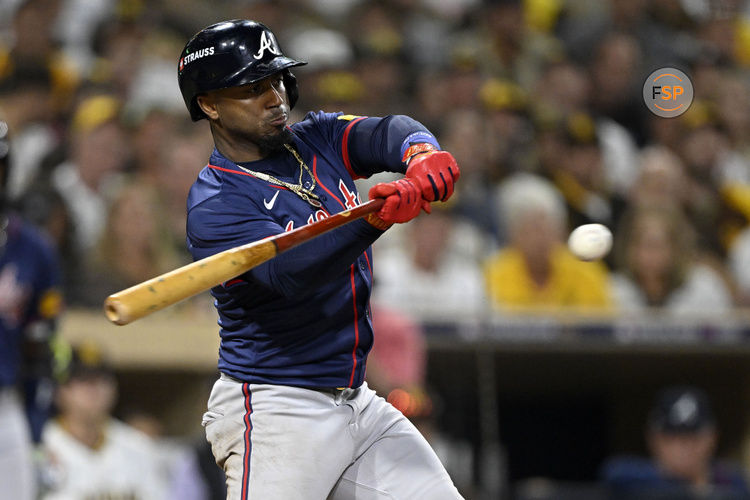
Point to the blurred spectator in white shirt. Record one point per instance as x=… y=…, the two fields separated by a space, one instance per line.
x=89 y=454
x=434 y=273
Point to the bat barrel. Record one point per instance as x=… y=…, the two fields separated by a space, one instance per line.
x=116 y=311
x=140 y=300
x=113 y=311
x=157 y=293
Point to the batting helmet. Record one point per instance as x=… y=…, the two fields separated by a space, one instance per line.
x=230 y=54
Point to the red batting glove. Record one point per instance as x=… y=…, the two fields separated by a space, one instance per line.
x=403 y=202
x=435 y=173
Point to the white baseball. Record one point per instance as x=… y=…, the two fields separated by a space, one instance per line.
x=590 y=241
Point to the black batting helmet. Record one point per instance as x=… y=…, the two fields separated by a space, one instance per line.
x=230 y=54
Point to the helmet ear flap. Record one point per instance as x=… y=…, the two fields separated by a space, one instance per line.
x=290 y=84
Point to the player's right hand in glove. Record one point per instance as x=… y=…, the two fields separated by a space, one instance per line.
x=435 y=172
x=403 y=201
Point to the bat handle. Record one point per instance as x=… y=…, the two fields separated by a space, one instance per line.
x=285 y=241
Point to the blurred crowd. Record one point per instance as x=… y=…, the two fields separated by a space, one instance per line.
x=539 y=100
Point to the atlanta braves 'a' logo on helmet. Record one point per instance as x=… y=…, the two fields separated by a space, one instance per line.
x=267 y=43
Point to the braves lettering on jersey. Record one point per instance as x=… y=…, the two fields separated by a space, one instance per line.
x=302 y=318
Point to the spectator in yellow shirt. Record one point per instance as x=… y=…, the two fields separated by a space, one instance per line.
x=535 y=270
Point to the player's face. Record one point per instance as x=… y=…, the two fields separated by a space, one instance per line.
x=257 y=112
x=652 y=250
x=87 y=398
x=684 y=455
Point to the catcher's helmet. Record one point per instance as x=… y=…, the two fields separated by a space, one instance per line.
x=230 y=54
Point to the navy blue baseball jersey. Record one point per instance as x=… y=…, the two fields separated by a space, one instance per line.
x=29 y=291
x=302 y=318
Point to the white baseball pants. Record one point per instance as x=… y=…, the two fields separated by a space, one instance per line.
x=288 y=443
x=16 y=463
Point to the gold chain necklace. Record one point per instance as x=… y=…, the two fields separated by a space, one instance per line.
x=298 y=189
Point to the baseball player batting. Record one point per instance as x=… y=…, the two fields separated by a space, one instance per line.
x=291 y=416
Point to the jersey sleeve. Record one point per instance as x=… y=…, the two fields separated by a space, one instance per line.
x=211 y=230
x=368 y=145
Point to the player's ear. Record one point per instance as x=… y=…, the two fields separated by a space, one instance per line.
x=207 y=103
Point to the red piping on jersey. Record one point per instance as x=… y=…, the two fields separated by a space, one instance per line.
x=356 y=328
x=354 y=289
x=369 y=266
x=343 y=205
x=315 y=173
x=345 y=148
x=243 y=173
x=248 y=443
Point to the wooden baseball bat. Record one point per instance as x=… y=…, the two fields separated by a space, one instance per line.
x=169 y=288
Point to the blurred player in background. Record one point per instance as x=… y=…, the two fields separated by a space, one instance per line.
x=682 y=436
x=88 y=453
x=30 y=301
x=291 y=415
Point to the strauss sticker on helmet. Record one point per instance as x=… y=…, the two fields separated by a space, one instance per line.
x=208 y=51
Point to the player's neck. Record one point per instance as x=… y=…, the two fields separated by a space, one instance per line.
x=240 y=149
x=238 y=153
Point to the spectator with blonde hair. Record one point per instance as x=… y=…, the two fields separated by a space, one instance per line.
x=135 y=245
x=658 y=265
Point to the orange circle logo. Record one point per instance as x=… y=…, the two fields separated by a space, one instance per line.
x=668 y=92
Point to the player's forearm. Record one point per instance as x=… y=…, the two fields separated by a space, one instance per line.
x=317 y=261
x=379 y=144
